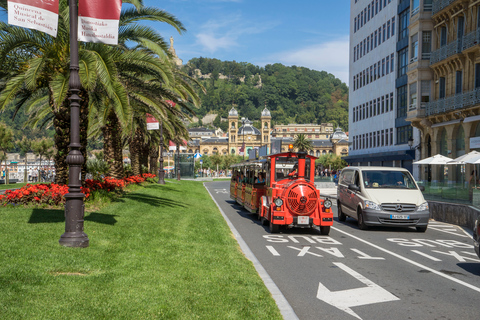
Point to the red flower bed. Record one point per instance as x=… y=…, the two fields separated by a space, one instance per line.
x=53 y=194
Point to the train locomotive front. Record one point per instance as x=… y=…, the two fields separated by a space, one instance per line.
x=291 y=198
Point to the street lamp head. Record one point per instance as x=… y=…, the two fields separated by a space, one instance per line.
x=410 y=142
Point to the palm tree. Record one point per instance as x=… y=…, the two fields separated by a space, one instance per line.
x=37 y=78
x=25 y=146
x=302 y=143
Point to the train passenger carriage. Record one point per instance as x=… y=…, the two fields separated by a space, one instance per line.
x=281 y=190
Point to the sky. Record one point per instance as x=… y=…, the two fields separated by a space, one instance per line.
x=307 y=33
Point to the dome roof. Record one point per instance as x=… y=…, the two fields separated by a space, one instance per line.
x=266 y=113
x=247 y=128
x=233 y=113
x=339 y=134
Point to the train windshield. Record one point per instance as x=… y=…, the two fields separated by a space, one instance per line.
x=287 y=168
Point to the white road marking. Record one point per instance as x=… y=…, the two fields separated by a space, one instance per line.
x=303 y=252
x=221 y=191
x=345 y=299
x=426 y=255
x=456 y=255
x=449 y=231
x=363 y=255
x=463 y=283
x=273 y=251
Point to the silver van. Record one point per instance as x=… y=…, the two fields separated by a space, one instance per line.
x=381 y=196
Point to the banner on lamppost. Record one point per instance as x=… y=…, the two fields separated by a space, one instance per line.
x=98 y=20
x=152 y=123
x=41 y=15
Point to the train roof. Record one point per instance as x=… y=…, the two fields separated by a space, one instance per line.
x=290 y=154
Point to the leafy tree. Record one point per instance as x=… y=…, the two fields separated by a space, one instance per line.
x=43 y=148
x=6 y=144
x=25 y=146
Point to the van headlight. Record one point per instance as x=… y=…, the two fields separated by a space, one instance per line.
x=372 y=205
x=423 y=207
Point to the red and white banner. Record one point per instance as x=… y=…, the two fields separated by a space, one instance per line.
x=152 y=123
x=173 y=147
x=41 y=15
x=98 y=20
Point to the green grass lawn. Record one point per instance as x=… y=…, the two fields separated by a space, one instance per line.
x=160 y=252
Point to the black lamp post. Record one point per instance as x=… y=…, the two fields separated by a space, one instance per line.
x=178 y=161
x=74 y=207
x=161 y=172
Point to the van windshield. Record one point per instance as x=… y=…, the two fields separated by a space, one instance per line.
x=388 y=179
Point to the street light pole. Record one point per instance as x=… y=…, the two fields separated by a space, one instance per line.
x=178 y=161
x=161 y=172
x=74 y=206
x=243 y=135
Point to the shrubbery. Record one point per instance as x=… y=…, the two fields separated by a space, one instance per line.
x=53 y=194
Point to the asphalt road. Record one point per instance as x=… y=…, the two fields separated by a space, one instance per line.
x=380 y=273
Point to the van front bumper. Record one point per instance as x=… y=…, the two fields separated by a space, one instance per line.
x=391 y=219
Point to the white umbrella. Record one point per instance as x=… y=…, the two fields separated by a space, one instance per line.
x=436 y=159
x=466 y=158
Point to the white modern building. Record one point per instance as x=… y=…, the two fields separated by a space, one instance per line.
x=378 y=82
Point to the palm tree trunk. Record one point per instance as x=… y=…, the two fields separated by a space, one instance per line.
x=61 y=123
x=153 y=150
x=144 y=158
x=135 y=148
x=112 y=136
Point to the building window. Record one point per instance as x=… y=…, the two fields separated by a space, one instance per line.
x=414 y=46
x=403 y=134
x=425 y=91
x=441 y=88
x=413 y=96
x=443 y=36
x=477 y=75
x=403 y=21
x=402 y=102
x=415 y=7
x=402 y=62
x=426 y=44
x=458 y=82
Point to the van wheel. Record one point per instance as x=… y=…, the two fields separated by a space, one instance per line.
x=274 y=228
x=421 y=229
x=361 y=222
x=341 y=215
x=324 y=230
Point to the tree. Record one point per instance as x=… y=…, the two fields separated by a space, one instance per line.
x=6 y=144
x=25 y=146
x=43 y=148
x=302 y=143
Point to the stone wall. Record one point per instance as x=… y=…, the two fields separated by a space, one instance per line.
x=458 y=214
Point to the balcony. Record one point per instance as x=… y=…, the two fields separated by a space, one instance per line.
x=439 y=5
x=471 y=39
x=446 y=51
x=458 y=101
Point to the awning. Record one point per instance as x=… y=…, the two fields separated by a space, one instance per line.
x=382 y=156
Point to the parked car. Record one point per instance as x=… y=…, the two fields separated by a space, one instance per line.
x=381 y=196
x=476 y=236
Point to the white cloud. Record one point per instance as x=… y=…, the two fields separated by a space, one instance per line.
x=331 y=57
x=224 y=33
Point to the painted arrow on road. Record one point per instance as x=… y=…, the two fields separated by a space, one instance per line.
x=345 y=299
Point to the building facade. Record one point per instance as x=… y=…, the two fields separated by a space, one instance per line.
x=378 y=85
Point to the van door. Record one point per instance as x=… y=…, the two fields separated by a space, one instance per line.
x=355 y=195
x=344 y=194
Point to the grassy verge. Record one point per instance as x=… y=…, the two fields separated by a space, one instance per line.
x=160 y=252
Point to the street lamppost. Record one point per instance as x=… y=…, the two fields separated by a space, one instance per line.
x=74 y=206
x=161 y=172
x=178 y=160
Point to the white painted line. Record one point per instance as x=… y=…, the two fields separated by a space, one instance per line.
x=345 y=299
x=366 y=256
x=285 y=308
x=273 y=251
x=426 y=255
x=303 y=252
x=449 y=231
x=463 y=283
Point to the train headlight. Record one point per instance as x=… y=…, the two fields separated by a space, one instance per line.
x=278 y=202
x=327 y=203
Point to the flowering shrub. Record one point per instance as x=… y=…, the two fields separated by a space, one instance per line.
x=53 y=194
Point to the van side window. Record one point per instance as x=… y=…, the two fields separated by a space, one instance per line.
x=357 y=179
x=346 y=177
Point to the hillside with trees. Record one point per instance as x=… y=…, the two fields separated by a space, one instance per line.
x=292 y=94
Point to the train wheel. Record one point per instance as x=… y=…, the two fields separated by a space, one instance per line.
x=341 y=215
x=274 y=228
x=324 y=230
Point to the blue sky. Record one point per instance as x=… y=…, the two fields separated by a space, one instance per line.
x=308 y=33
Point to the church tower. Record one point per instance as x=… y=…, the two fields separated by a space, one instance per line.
x=266 y=120
x=232 y=131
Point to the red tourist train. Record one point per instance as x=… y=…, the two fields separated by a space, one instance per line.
x=280 y=189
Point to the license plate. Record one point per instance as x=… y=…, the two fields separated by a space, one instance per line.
x=399 y=216
x=303 y=220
